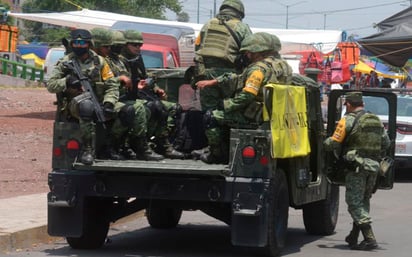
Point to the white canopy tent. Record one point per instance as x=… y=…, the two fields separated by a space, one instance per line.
x=323 y=40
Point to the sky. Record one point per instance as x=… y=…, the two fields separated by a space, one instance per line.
x=356 y=17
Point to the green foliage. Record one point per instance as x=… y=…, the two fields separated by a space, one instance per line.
x=155 y=9
x=6 y=5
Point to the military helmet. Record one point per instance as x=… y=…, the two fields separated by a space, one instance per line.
x=354 y=97
x=234 y=4
x=260 y=42
x=133 y=36
x=102 y=37
x=118 y=38
x=80 y=34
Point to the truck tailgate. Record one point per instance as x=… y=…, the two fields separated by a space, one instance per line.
x=165 y=167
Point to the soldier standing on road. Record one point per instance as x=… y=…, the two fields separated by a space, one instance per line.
x=130 y=127
x=362 y=147
x=76 y=103
x=266 y=66
x=162 y=114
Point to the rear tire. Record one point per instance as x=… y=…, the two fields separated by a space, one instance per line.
x=320 y=218
x=278 y=214
x=163 y=217
x=95 y=225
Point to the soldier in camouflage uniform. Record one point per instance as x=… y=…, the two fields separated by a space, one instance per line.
x=132 y=120
x=266 y=66
x=77 y=103
x=217 y=50
x=361 y=166
x=161 y=113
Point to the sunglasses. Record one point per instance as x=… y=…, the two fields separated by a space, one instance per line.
x=80 y=42
x=136 y=44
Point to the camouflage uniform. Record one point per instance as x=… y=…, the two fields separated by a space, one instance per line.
x=217 y=51
x=76 y=103
x=131 y=121
x=245 y=107
x=360 y=183
x=161 y=114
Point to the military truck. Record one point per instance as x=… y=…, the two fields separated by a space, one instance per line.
x=252 y=193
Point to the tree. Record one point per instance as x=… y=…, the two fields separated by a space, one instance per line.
x=155 y=9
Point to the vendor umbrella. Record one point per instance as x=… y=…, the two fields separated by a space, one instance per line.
x=393 y=45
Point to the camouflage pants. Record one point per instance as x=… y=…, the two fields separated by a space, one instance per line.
x=211 y=98
x=218 y=135
x=163 y=127
x=359 y=189
x=139 y=126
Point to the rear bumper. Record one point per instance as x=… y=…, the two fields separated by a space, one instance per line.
x=403 y=162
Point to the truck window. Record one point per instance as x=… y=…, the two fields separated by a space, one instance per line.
x=170 y=61
x=152 y=59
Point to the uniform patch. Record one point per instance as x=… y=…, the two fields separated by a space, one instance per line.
x=340 y=131
x=106 y=72
x=253 y=82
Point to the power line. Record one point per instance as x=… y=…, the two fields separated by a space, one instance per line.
x=327 y=12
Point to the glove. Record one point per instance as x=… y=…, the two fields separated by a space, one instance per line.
x=72 y=81
x=108 y=109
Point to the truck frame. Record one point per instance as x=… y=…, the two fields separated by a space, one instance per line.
x=252 y=193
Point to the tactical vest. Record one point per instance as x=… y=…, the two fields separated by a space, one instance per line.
x=366 y=136
x=218 y=42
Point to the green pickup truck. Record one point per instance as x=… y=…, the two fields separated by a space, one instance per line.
x=252 y=193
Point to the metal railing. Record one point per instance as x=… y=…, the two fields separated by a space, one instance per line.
x=20 y=70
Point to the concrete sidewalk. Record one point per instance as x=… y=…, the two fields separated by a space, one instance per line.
x=23 y=222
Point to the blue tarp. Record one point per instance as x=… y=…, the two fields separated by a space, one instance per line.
x=38 y=49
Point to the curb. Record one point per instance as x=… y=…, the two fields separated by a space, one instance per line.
x=38 y=235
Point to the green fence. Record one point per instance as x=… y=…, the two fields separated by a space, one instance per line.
x=21 y=70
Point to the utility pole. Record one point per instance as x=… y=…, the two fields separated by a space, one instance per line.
x=287 y=11
x=198 y=6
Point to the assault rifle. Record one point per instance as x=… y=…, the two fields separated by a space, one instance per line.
x=85 y=83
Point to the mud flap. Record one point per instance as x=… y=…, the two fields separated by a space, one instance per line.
x=249 y=220
x=64 y=218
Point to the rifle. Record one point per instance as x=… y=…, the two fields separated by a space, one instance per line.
x=84 y=82
x=138 y=72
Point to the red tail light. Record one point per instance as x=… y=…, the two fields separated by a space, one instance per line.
x=404 y=129
x=57 y=152
x=73 y=147
x=264 y=161
x=249 y=152
x=248 y=155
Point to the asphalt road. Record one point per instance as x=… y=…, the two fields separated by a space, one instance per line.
x=201 y=236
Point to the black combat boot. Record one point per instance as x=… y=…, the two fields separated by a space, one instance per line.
x=165 y=148
x=197 y=153
x=215 y=155
x=143 y=150
x=369 y=243
x=352 y=238
x=87 y=157
x=112 y=149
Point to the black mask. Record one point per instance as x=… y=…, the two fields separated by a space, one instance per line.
x=116 y=49
x=79 y=51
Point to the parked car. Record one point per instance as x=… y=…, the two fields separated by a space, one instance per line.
x=53 y=55
x=403 y=149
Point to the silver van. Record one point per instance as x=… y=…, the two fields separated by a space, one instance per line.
x=53 y=55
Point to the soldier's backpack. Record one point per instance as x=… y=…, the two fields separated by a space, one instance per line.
x=190 y=131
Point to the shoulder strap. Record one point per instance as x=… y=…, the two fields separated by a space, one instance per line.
x=232 y=33
x=357 y=117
